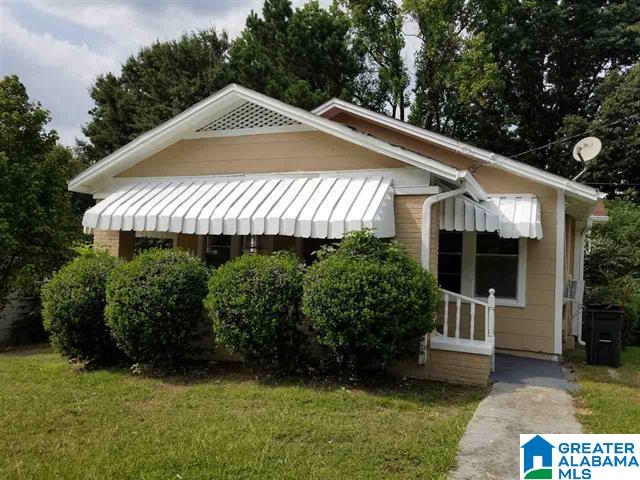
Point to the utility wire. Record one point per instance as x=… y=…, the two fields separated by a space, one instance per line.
x=614 y=183
x=577 y=135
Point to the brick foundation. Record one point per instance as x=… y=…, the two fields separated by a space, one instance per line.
x=448 y=367
x=458 y=367
x=116 y=242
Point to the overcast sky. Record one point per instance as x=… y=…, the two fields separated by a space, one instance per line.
x=57 y=48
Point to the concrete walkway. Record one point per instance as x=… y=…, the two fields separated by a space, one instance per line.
x=528 y=396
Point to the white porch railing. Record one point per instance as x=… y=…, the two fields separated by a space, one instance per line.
x=470 y=344
x=489 y=313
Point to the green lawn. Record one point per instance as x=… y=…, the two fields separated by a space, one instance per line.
x=609 y=398
x=58 y=422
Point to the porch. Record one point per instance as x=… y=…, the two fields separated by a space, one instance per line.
x=461 y=348
x=220 y=218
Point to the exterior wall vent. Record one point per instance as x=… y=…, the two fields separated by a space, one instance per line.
x=249 y=115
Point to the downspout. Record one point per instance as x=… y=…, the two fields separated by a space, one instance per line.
x=426 y=246
x=583 y=235
x=426 y=221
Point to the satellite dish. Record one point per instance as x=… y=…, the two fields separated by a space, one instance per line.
x=587 y=149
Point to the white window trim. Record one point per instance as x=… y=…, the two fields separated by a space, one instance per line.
x=468 y=281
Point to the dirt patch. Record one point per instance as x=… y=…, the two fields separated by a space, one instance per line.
x=581 y=407
x=613 y=373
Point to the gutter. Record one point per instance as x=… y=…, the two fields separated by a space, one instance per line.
x=426 y=221
x=489 y=158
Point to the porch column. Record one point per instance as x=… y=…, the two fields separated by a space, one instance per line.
x=116 y=242
x=188 y=242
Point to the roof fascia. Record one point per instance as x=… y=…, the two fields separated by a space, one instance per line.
x=174 y=129
x=345 y=133
x=491 y=158
x=153 y=140
x=473 y=187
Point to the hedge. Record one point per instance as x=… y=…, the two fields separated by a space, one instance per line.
x=73 y=303
x=369 y=302
x=254 y=306
x=154 y=306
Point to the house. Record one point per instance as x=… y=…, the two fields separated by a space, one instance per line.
x=240 y=172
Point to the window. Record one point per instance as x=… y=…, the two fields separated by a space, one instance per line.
x=217 y=249
x=496 y=265
x=471 y=263
x=450 y=261
x=145 y=243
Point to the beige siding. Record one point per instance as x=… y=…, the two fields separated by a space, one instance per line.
x=281 y=152
x=530 y=328
x=408 y=213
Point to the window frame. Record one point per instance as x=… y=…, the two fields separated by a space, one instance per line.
x=469 y=256
x=468 y=281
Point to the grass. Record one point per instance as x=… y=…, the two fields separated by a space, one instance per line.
x=59 y=422
x=609 y=398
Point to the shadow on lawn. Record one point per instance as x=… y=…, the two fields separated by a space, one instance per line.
x=213 y=372
x=380 y=385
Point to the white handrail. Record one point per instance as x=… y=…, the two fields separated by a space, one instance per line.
x=445 y=329
x=489 y=313
x=489 y=322
x=491 y=336
x=472 y=308
x=464 y=298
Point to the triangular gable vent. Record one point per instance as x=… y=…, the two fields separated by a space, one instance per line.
x=250 y=118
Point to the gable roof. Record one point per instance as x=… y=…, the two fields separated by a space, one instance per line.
x=224 y=101
x=489 y=158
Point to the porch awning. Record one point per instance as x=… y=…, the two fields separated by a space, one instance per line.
x=510 y=216
x=305 y=207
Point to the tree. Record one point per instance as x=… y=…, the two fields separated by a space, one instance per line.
x=612 y=263
x=504 y=74
x=377 y=26
x=300 y=56
x=457 y=83
x=613 y=115
x=159 y=82
x=37 y=225
x=552 y=56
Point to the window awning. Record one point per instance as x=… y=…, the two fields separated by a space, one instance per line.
x=511 y=216
x=308 y=207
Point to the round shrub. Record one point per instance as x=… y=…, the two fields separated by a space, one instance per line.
x=73 y=304
x=369 y=302
x=254 y=306
x=154 y=306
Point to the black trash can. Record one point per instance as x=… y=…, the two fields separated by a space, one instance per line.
x=602 y=333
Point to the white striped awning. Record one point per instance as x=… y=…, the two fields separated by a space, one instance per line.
x=511 y=216
x=309 y=207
